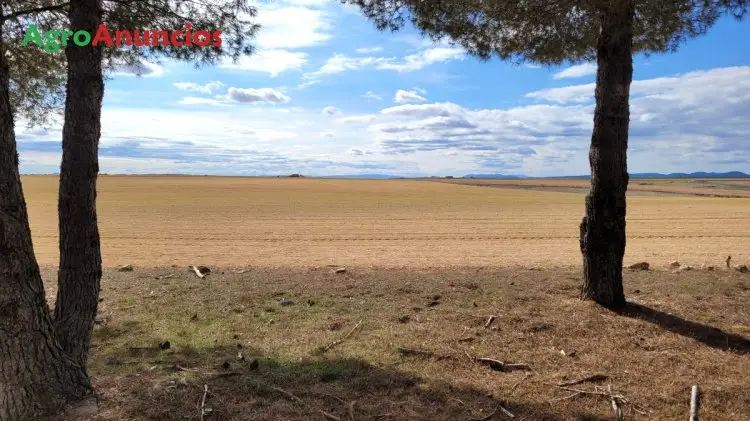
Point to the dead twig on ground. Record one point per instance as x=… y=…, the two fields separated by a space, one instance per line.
x=494 y=364
x=409 y=352
x=489 y=321
x=498 y=365
x=618 y=410
x=203 y=401
x=198 y=272
x=695 y=403
x=505 y=411
x=325 y=348
x=592 y=378
x=613 y=396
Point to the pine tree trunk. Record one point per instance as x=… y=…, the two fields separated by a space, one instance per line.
x=80 y=269
x=603 y=227
x=37 y=377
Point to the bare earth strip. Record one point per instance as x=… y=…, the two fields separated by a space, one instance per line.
x=282 y=222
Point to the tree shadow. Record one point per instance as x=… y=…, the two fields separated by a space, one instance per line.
x=316 y=388
x=708 y=335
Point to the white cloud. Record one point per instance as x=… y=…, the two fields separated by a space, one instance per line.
x=273 y=62
x=356 y=119
x=208 y=88
x=404 y=97
x=694 y=121
x=568 y=94
x=358 y=152
x=331 y=110
x=292 y=27
x=424 y=58
x=702 y=82
x=193 y=100
x=307 y=84
x=339 y=63
x=246 y=95
x=142 y=68
x=579 y=70
x=372 y=96
x=368 y=50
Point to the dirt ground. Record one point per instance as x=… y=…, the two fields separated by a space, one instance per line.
x=682 y=329
x=282 y=222
x=719 y=187
x=437 y=275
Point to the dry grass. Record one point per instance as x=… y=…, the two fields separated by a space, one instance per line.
x=681 y=334
x=427 y=264
x=280 y=222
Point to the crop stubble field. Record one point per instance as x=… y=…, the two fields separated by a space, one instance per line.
x=302 y=222
x=261 y=359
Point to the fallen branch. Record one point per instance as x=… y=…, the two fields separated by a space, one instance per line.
x=594 y=392
x=423 y=353
x=695 y=403
x=592 y=378
x=325 y=348
x=501 y=366
x=198 y=272
x=505 y=411
x=618 y=410
x=203 y=401
x=490 y=362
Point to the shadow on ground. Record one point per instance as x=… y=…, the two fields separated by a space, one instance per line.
x=270 y=389
x=708 y=335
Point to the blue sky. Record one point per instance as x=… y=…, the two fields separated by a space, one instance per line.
x=327 y=94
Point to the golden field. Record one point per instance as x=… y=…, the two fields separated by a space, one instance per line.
x=291 y=222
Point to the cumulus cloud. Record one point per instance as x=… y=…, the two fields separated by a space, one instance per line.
x=693 y=121
x=248 y=95
x=289 y=27
x=208 y=88
x=403 y=97
x=579 y=70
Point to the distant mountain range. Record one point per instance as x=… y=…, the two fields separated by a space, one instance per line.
x=700 y=174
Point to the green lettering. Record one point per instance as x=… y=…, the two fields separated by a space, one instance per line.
x=81 y=34
x=32 y=35
x=52 y=45
x=65 y=35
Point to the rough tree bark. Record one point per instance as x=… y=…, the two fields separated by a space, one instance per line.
x=37 y=375
x=80 y=269
x=603 y=227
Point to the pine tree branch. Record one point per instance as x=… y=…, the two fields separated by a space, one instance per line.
x=42 y=9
